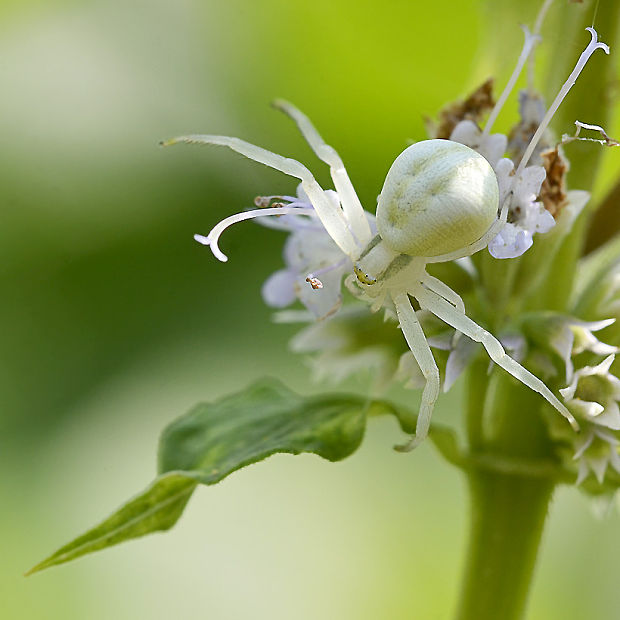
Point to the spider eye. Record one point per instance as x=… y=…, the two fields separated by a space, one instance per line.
x=362 y=276
x=438 y=196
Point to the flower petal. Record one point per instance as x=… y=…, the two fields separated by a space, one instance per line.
x=278 y=290
x=510 y=242
x=458 y=360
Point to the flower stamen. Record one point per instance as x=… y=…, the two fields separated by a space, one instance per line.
x=331 y=215
x=530 y=42
x=540 y=18
x=572 y=78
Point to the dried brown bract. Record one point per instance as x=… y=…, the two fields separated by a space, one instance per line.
x=472 y=109
x=553 y=189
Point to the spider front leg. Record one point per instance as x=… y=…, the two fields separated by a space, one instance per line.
x=351 y=205
x=449 y=314
x=412 y=330
x=332 y=219
x=441 y=288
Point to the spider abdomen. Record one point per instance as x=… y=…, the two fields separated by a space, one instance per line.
x=438 y=196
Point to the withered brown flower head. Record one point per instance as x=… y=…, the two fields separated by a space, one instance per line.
x=553 y=189
x=473 y=108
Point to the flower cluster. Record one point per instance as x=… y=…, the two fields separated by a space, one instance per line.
x=331 y=236
x=314 y=265
x=592 y=396
x=520 y=185
x=526 y=215
x=571 y=354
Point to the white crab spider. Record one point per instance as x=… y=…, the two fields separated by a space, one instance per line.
x=439 y=203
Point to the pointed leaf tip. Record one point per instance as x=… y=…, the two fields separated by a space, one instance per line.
x=156 y=509
x=215 y=439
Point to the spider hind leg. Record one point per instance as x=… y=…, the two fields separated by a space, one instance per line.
x=449 y=314
x=412 y=330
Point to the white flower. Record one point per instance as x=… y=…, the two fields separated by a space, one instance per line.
x=315 y=265
x=585 y=340
x=511 y=241
x=351 y=342
x=517 y=190
x=526 y=216
x=593 y=394
x=598 y=449
x=567 y=337
x=313 y=274
x=492 y=147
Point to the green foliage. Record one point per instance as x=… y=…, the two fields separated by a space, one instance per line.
x=594 y=278
x=213 y=440
x=156 y=509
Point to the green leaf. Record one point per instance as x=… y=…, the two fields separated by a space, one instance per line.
x=213 y=440
x=156 y=509
x=591 y=282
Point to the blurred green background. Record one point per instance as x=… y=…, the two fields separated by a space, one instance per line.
x=115 y=321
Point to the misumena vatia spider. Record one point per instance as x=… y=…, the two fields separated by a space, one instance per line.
x=440 y=202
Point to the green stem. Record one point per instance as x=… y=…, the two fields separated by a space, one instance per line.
x=477 y=382
x=508 y=508
x=507 y=520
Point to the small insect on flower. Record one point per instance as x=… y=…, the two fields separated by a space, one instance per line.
x=441 y=201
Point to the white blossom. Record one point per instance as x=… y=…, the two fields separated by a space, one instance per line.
x=568 y=337
x=594 y=393
x=340 y=349
x=492 y=147
x=597 y=451
x=526 y=215
x=593 y=396
x=314 y=264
